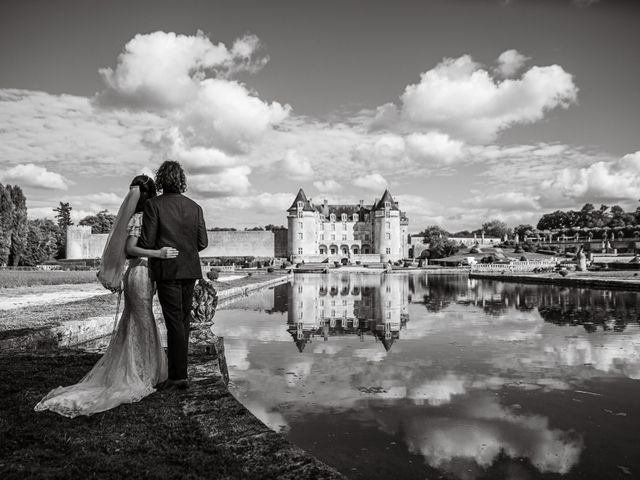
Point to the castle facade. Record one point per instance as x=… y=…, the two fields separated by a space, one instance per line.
x=374 y=232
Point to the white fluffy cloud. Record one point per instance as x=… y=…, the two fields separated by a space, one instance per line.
x=328 y=185
x=228 y=182
x=296 y=166
x=31 y=175
x=606 y=181
x=373 y=181
x=434 y=146
x=510 y=62
x=459 y=96
x=164 y=70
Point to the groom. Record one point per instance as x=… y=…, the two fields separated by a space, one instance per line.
x=173 y=220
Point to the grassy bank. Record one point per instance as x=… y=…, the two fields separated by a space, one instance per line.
x=31 y=278
x=201 y=433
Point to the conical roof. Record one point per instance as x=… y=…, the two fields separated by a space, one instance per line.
x=301 y=197
x=386 y=197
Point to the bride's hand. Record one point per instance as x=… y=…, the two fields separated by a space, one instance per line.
x=168 y=252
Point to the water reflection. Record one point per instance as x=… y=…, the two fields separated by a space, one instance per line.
x=487 y=379
x=332 y=305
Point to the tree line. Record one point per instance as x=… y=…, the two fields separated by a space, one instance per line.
x=30 y=242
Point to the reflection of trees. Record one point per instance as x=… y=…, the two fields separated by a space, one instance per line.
x=593 y=309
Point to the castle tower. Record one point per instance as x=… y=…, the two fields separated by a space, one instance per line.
x=302 y=220
x=387 y=234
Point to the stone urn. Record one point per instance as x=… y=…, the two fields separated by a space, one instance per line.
x=203 y=309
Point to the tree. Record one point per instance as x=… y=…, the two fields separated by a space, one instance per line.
x=254 y=229
x=6 y=223
x=495 y=228
x=100 y=222
x=433 y=233
x=42 y=242
x=19 y=226
x=442 y=247
x=523 y=230
x=64 y=220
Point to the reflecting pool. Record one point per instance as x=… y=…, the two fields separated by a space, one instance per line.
x=414 y=376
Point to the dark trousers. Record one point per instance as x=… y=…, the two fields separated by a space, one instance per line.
x=175 y=298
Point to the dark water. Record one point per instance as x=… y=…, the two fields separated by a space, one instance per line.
x=409 y=376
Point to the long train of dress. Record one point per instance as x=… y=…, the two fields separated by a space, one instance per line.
x=133 y=363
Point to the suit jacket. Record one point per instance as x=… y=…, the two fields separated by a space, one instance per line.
x=173 y=220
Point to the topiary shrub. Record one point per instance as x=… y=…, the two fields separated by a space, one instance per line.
x=213 y=275
x=269 y=269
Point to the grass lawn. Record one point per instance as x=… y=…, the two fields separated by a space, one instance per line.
x=30 y=278
x=41 y=316
x=154 y=438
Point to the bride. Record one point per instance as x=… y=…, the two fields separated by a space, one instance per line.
x=134 y=361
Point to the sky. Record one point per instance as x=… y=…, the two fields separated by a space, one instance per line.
x=466 y=110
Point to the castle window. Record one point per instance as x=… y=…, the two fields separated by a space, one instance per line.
x=300 y=224
x=300 y=205
x=355 y=217
x=322 y=236
x=388 y=316
x=299 y=213
x=366 y=237
x=299 y=314
x=333 y=237
x=344 y=303
x=300 y=236
x=388 y=250
x=387 y=205
x=388 y=224
x=332 y=217
x=388 y=236
x=300 y=304
x=300 y=290
x=344 y=217
x=387 y=213
x=344 y=236
x=322 y=216
x=300 y=251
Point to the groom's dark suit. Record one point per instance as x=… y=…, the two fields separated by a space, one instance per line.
x=173 y=220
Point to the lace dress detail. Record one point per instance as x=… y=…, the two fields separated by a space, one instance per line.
x=134 y=361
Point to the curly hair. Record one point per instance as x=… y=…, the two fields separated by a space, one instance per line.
x=170 y=178
x=147 y=190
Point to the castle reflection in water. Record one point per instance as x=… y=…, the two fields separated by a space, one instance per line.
x=323 y=306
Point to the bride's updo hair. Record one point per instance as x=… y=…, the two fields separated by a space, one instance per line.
x=147 y=190
x=170 y=178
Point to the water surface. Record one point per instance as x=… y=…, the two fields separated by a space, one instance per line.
x=416 y=376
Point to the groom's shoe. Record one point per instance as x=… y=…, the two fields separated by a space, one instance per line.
x=174 y=385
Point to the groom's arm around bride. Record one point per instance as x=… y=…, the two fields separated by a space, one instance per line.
x=173 y=220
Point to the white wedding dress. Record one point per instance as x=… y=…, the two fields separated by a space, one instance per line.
x=134 y=361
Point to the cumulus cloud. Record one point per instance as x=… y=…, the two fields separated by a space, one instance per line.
x=459 y=96
x=296 y=166
x=31 y=175
x=434 y=146
x=229 y=182
x=373 y=181
x=510 y=62
x=163 y=70
x=505 y=201
x=606 y=181
x=328 y=185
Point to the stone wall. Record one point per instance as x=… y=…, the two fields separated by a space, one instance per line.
x=82 y=244
x=240 y=244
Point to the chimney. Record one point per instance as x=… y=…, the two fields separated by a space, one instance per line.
x=325 y=208
x=361 y=203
